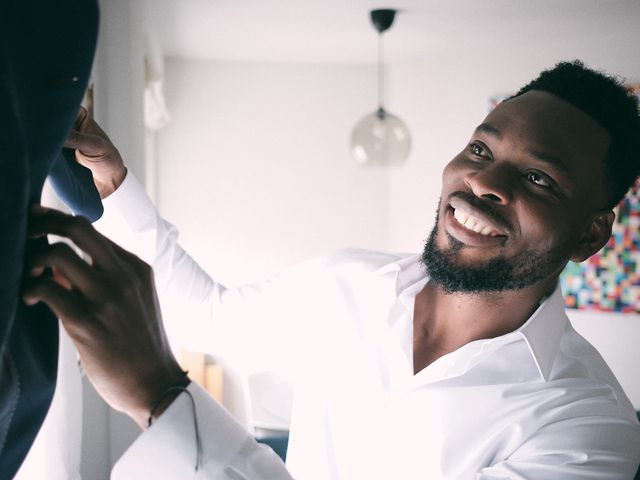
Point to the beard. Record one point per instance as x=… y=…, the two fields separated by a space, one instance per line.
x=499 y=274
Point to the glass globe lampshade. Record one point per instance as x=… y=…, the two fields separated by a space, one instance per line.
x=380 y=138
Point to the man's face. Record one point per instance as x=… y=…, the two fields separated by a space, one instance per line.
x=519 y=201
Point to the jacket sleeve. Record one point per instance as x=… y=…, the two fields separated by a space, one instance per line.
x=169 y=448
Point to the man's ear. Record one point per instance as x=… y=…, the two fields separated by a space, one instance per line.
x=595 y=237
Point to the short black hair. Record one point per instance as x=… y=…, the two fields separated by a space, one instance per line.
x=610 y=103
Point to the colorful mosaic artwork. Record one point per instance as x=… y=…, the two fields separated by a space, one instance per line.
x=610 y=280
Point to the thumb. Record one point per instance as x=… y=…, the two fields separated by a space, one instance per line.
x=88 y=144
x=80 y=118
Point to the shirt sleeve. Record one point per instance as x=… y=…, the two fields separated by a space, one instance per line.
x=169 y=450
x=203 y=314
x=131 y=219
x=596 y=447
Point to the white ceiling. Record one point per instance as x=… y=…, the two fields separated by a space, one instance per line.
x=336 y=31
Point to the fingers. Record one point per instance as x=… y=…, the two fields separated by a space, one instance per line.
x=69 y=306
x=66 y=304
x=80 y=117
x=86 y=125
x=70 y=271
x=77 y=229
x=87 y=136
x=89 y=144
x=95 y=151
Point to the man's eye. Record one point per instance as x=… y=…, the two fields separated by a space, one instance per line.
x=477 y=149
x=538 y=179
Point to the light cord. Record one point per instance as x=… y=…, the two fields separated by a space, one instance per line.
x=380 y=73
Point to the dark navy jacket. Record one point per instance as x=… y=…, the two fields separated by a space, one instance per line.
x=46 y=52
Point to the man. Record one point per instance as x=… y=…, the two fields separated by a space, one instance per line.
x=471 y=370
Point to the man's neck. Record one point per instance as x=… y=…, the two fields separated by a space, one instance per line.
x=444 y=322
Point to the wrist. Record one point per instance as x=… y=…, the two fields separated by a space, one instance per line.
x=110 y=184
x=156 y=397
x=166 y=400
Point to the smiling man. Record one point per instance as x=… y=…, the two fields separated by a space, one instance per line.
x=531 y=191
x=458 y=363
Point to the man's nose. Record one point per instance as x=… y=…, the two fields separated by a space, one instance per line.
x=494 y=183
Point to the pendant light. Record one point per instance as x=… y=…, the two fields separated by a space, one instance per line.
x=380 y=138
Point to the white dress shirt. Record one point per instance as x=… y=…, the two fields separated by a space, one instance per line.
x=536 y=403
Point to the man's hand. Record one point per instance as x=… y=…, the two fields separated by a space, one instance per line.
x=109 y=308
x=95 y=151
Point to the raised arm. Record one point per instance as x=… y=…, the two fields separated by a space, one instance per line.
x=212 y=316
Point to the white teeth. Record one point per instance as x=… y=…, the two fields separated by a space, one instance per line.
x=460 y=216
x=472 y=223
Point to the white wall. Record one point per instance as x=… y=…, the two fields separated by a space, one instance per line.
x=616 y=337
x=254 y=167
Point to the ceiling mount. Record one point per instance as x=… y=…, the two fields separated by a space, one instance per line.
x=382 y=19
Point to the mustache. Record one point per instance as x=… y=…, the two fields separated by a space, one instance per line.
x=485 y=208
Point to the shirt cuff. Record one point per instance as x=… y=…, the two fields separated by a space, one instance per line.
x=168 y=448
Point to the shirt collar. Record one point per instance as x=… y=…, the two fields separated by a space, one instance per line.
x=406 y=271
x=542 y=332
